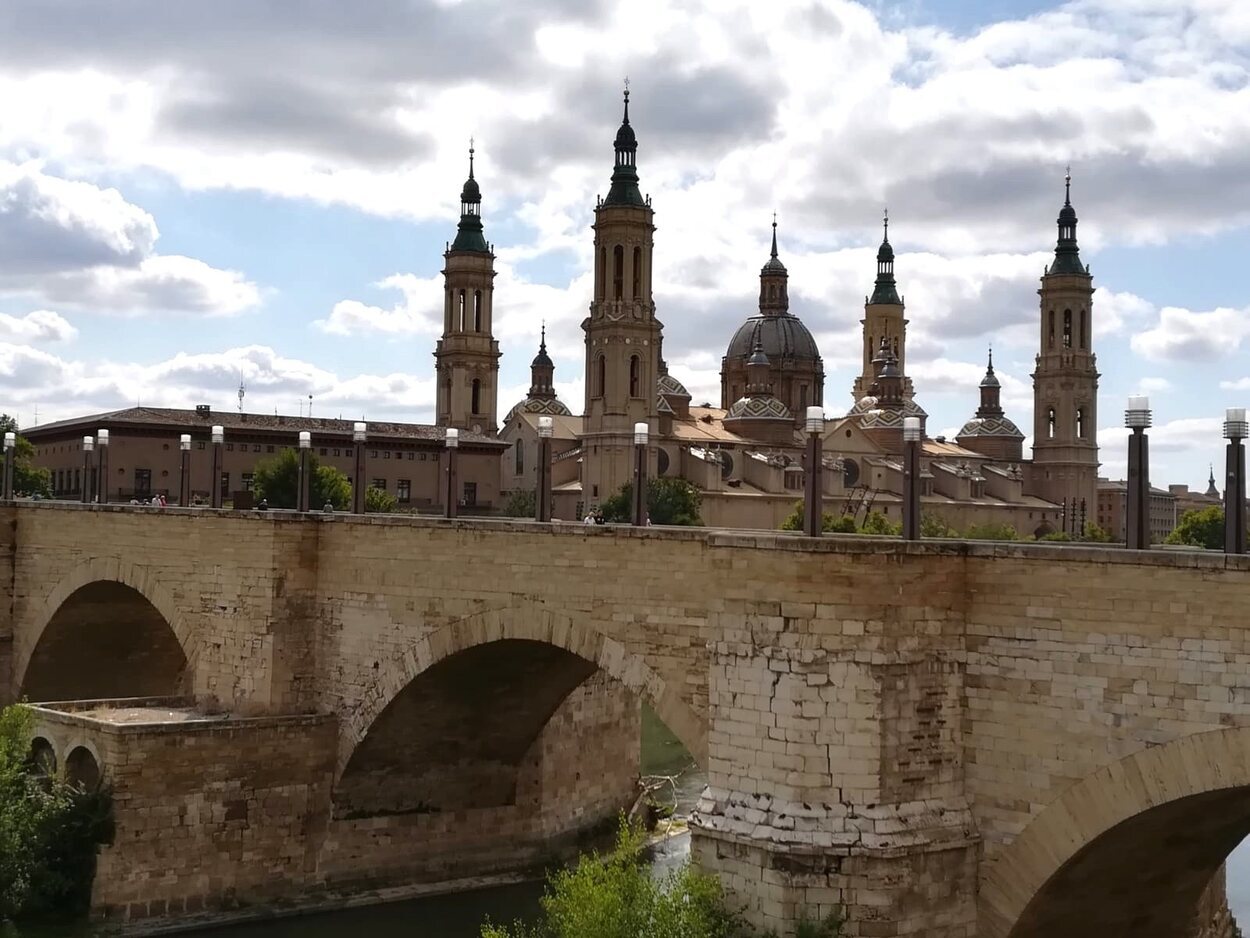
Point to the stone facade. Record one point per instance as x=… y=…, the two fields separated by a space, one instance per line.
x=936 y=737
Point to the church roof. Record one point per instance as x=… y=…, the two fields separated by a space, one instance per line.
x=538 y=405
x=991 y=426
x=783 y=338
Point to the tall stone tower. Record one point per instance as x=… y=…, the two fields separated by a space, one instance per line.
x=467 y=356
x=1065 y=381
x=622 y=333
x=883 y=320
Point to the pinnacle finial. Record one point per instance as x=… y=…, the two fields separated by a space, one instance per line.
x=990 y=367
x=470 y=157
x=626 y=99
x=886 y=223
x=1067 y=185
x=774 y=236
x=542 y=345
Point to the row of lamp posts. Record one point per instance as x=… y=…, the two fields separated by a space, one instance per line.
x=1137 y=418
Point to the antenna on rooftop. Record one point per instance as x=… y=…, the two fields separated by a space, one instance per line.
x=242 y=393
x=309 y=405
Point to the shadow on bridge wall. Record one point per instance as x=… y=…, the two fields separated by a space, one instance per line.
x=1129 y=850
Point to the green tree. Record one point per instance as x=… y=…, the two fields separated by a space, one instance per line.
x=376 y=499
x=992 y=531
x=49 y=831
x=1095 y=534
x=935 y=526
x=1056 y=536
x=615 y=896
x=1201 y=527
x=521 y=504
x=276 y=479
x=829 y=523
x=669 y=501
x=877 y=523
x=27 y=480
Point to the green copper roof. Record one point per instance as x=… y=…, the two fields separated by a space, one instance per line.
x=885 y=291
x=469 y=235
x=1067 y=254
x=624 y=190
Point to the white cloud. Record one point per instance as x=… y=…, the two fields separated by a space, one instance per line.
x=419 y=312
x=1241 y=384
x=1182 y=335
x=41 y=325
x=78 y=245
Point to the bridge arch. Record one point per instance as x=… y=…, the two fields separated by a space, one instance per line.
x=527 y=625
x=143 y=645
x=1177 y=809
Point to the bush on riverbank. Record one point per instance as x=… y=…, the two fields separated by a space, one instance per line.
x=49 y=831
x=615 y=896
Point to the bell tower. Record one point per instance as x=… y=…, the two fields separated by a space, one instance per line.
x=883 y=321
x=466 y=359
x=1065 y=381
x=622 y=333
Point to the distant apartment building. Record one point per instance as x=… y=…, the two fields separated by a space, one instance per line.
x=404 y=459
x=1112 y=510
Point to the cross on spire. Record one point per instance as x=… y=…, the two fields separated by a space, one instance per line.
x=1067 y=185
x=470 y=157
x=886 y=223
x=627 y=99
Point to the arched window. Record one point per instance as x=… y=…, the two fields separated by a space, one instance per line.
x=477 y=310
x=635 y=367
x=872 y=346
x=601 y=374
x=1084 y=331
x=460 y=313
x=1080 y=423
x=896 y=346
x=1050 y=424
x=772 y=291
x=637 y=294
x=618 y=272
x=802 y=396
x=520 y=457
x=1050 y=342
x=477 y=396
x=601 y=275
x=1067 y=328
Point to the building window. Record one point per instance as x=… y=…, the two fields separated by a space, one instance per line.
x=520 y=458
x=336 y=452
x=269 y=448
x=477 y=310
x=379 y=484
x=225 y=484
x=1050 y=342
x=470 y=494
x=373 y=454
x=411 y=456
x=802 y=396
x=143 y=482
x=637 y=273
x=347 y=451
x=403 y=490
x=255 y=447
x=1050 y=423
x=602 y=273
x=423 y=456
x=477 y=396
x=386 y=454
x=1067 y=328
x=248 y=481
x=1080 y=423
x=229 y=447
x=460 y=313
x=635 y=367
x=399 y=455
x=321 y=451
x=199 y=445
x=1084 y=331
x=601 y=374
x=618 y=271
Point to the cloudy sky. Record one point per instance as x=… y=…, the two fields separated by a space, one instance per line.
x=194 y=195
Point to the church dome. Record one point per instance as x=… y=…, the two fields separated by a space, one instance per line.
x=758 y=408
x=990 y=426
x=537 y=405
x=783 y=339
x=471 y=192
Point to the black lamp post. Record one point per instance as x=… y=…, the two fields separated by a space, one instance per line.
x=102 y=466
x=911 y=478
x=1235 y=430
x=184 y=470
x=453 y=444
x=813 y=490
x=88 y=487
x=542 y=499
x=305 y=447
x=1137 y=418
x=219 y=437
x=641 y=432
x=359 y=434
x=10 y=448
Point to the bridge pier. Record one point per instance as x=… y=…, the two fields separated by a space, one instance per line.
x=835 y=779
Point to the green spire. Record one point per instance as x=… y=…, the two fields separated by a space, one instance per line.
x=884 y=291
x=624 y=189
x=469 y=232
x=1067 y=255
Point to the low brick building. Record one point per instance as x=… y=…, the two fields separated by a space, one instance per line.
x=404 y=459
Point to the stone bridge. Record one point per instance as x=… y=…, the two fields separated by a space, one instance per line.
x=939 y=738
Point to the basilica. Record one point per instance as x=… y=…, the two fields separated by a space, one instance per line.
x=746 y=455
